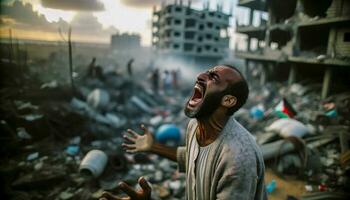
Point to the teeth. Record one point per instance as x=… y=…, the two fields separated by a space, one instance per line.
x=199 y=88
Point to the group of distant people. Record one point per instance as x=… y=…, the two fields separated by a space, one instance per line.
x=166 y=81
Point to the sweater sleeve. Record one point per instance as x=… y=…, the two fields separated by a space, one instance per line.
x=181 y=158
x=181 y=151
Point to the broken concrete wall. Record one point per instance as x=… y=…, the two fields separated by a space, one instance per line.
x=342 y=43
x=339 y=8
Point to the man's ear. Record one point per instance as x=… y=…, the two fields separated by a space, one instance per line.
x=228 y=101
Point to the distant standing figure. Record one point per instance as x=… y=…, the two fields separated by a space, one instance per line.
x=129 y=67
x=174 y=78
x=166 y=80
x=91 y=67
x=155 y=80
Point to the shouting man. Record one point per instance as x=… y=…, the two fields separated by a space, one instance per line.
x=221 y=159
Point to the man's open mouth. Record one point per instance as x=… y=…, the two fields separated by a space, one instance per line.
x=197 y=97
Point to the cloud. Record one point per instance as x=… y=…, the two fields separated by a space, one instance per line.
x=85 y=26
x=22 y=16
x=78 y=5
x=150 y=3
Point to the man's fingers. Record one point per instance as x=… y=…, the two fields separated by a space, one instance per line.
x=129 y=146
x=130 y=139
x=108 y=196
x=145 y=129
x=131 y=151
x=144 y=185
x=133 y=133
x=128 y=190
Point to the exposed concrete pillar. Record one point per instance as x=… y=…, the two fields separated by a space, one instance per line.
x=292 y=74
x=263 y=74
x=246 y=69
x=326 y=82
x=248 y=43
x=332 y=39
x=251 y=16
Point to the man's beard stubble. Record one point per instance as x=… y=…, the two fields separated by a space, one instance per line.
x=210 y=104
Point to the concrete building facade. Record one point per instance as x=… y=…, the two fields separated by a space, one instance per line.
x=125 y=41
x=299 y=35
x=179 y=30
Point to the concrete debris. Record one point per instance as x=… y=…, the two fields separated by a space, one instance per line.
x=141 y=104
x=33 y=156
x=64 y=146
x=50 y=85
x=93 y=163
x=289 y=127
x=98 y=99
x=23 y=134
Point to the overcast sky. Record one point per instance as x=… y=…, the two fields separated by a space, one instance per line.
x=91 y=20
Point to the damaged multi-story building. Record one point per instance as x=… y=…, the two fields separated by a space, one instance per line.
x=195 y=35
x=298 y=40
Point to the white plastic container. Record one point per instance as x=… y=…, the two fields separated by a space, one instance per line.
x=93 y=163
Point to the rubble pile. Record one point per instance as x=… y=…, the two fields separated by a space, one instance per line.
x=302 y=135
x=51 y=134
x=48 y=129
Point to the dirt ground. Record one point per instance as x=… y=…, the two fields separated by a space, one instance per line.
x=285 y=186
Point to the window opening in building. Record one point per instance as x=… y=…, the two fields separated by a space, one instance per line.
x=347 y=37
x=189 y=35
x=177 y=21
x=190 y=23
x=188 y=47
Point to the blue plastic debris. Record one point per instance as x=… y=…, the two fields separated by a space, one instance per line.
x=256 y=112
x=271 y=186
x=168 y=133
x=72 y=150
x=332 y=113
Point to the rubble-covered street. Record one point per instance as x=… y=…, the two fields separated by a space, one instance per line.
x=48 y=128
x=82 y=81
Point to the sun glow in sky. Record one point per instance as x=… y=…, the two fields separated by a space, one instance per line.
x=122 y=17
x=116 y=14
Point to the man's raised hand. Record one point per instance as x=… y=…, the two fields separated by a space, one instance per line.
x=138 y=142
x=143 y=194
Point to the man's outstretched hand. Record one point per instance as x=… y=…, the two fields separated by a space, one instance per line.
x=143 y=194
x=138 y=142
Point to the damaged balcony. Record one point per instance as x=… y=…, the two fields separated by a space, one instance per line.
x=279 y=11
x=253 y=4
x=252 y=31
x=329 y=45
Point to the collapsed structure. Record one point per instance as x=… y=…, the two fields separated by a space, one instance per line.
x=183 y=32
x=301 y=39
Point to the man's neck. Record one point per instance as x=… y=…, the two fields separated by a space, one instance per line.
x=210 y=128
